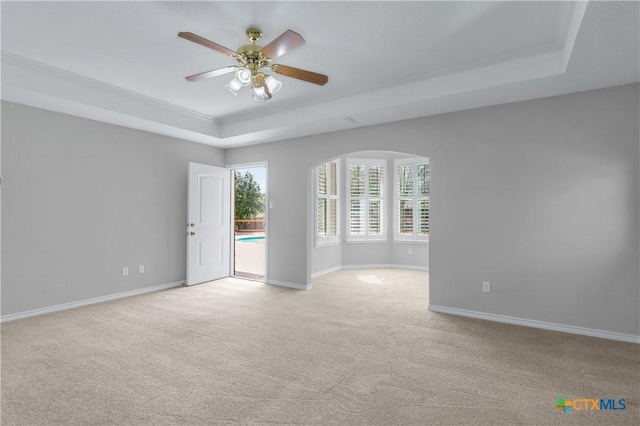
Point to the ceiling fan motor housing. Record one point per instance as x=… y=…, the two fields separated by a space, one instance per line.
x=252 y=57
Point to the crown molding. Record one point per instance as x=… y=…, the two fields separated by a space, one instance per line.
x=43 y=86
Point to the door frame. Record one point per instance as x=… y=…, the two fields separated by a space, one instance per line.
x=268 y=206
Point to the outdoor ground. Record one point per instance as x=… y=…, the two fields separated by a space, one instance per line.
x=250 y=256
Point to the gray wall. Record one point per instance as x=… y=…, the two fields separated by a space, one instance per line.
x=81 y=199
x=540 y=197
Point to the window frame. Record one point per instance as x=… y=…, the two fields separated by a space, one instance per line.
x=327 y=240
x=382 y=199
x=415 y=198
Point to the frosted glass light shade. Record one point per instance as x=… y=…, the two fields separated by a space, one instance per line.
x=243 y=75
x=233 y=86
x=259 y=94
x=273 y=84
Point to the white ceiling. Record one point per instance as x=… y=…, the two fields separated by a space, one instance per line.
x=123 y=63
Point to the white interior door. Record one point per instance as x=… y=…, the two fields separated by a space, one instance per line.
x=209 y=227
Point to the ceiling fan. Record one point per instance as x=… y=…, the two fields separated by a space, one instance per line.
x=253 y=59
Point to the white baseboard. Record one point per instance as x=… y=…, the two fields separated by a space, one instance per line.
x=325 y=271
x=537 y=324
x=91 y=301
x=369 y=266
x=290 y=285
x=385 y=265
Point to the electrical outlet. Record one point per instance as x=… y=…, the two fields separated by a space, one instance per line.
x=125 y=271
x=486 y=287
x=141 y=269
x=410 y=252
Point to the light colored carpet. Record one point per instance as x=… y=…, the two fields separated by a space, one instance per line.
x=359 y=348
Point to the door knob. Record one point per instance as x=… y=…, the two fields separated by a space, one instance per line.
x=192 y=233
x=192 y=225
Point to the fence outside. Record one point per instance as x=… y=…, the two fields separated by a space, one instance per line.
x=249 y=225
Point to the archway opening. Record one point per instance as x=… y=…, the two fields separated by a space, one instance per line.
x=371 y=210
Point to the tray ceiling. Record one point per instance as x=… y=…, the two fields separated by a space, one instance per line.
x=122 y=62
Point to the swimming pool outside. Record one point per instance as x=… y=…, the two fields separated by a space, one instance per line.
x=250 y=238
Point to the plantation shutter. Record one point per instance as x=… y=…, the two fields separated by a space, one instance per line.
x=376 y=178
x=326 y=182
x=366 y=199
x=357 y=204
x=404 y=204
x=333 y=199
x=322 y=179
x=412 y=199
x=423 y=196
x=322 y=201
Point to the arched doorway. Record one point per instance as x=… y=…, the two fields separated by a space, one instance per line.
x=384 y=222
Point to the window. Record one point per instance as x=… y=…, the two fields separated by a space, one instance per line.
x=326 y=179
x=412 y=199
x=365 y=214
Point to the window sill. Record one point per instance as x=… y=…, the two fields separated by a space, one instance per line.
x=367 y=241
x=425 y=242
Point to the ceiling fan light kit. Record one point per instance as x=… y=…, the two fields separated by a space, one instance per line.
x=253 y=59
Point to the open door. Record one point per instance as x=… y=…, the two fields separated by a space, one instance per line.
x=250 y=214
x=209 y=227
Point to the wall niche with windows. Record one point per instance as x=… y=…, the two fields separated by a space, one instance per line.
x=370 y=209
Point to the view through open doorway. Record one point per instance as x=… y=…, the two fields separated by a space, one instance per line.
x=249 y=222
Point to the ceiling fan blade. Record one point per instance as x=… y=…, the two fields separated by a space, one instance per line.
x=258 y=80
x=212 y=73
x=309 y=76
x=206 y=43
x=287 y=41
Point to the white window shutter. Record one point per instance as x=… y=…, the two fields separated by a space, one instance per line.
x=411 y=199
x=327 y=203
x=366 y=192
